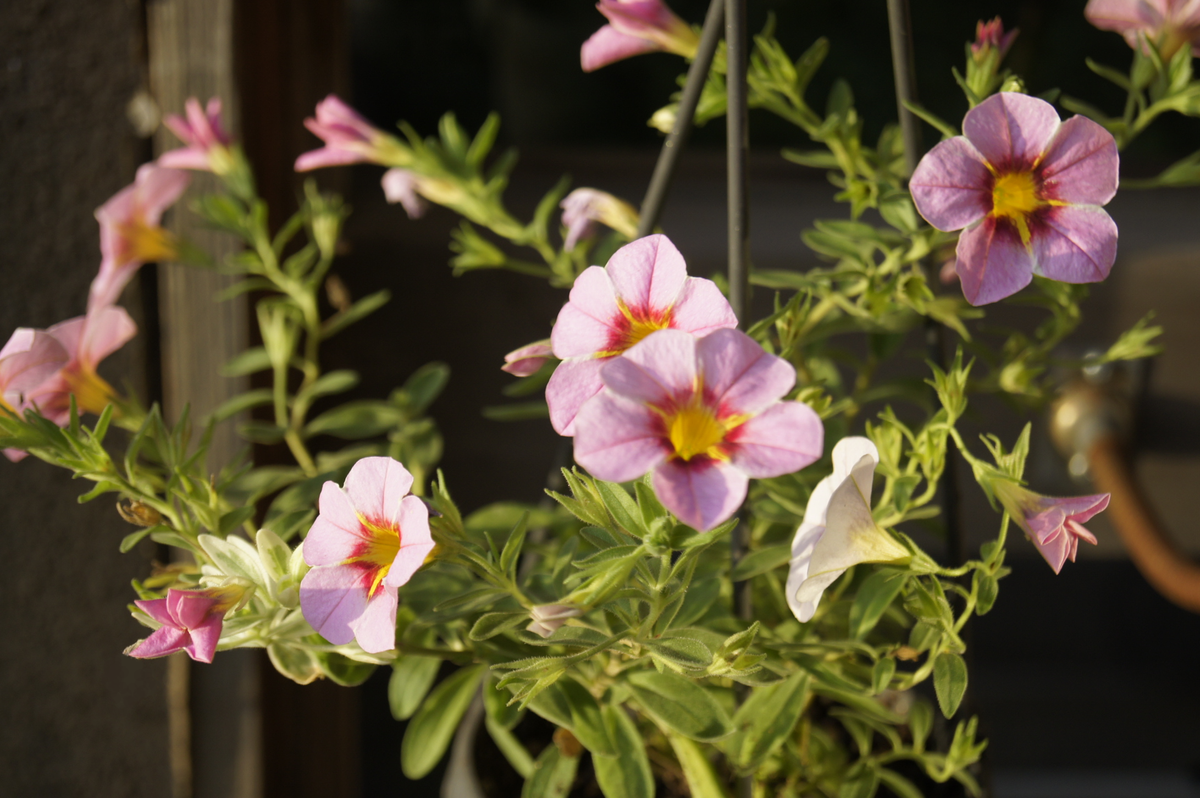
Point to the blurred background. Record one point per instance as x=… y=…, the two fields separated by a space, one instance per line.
x=1084 y=683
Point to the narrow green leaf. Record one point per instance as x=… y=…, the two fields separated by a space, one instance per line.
x=359 y=310
x=244 y=401
x=133 y=538
x=902 y=787
x=511 y=747
x=680 y=704
x=496 y=702
x=622 y=507
x=553 y=774
x=881 y=674
x=686 y=652
x=987 y=587
x=356 y=420
x=519 y=411
x=766 y=719
x=862 y=782
x=701 y=778
x=494 y=623
x=875 y=595
x=327 y=384
x=761 y=561
x=412 y=676
x=248 y=362
x=949 y=681
x=512 y=547
x=586 y=721
x=431 y=729
x=626 y=775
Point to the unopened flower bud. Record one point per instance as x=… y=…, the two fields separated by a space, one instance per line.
x=139 y=513
x=548 y=618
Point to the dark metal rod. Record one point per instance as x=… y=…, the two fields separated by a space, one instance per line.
x=668 y=158
x=737 y=147
x=904 y=67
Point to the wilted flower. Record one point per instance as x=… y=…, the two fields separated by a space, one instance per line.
x=1053 y=525
x=584 y=207
x=635 y=27
x=1028 y=189
x=1171 y=24
x=548 y=618
x=838 y=530
x=190 y=621
x=990 y=37
x=528 y=359
x=704 y=415
x=87 y=340
x=348 y=139
x=644 y=288
x=369 y=539
x=206 y=143
x=400 y=185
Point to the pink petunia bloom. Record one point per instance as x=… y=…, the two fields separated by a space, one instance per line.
x=191 y=621
x=528 y=359
x=1029 y=190
x=87 y=340
x=370 y=538
x=635 y=27
x=583 y=208
x=28 y=359
x=1053 y=525
x=704 y=415
x=644 y=288
x=990 y=37
x=348 y=139
x=206 y=144
x=400 y=185
x=130 y=234
x=1170 y=24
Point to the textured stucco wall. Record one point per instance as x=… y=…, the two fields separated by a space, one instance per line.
x=80 y=718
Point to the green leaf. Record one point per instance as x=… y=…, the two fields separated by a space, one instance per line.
x=684 y=652
x=627 y=775
x=133 y=538
x=902 y=787
x=987 y=587
x=881 y=674
x=622 y=507
x=298 y=664
x=512 y=546
x=936 y=122
x=920 y=723
x=680 y=704
x=344 y=671
x=412 y=676
x=261 y=432
x=494 y=623
x=553 y=774
x=496 y=702
x=949 y=681
x=862 y=782
x=331 y=383
x=235 y=518
x=875 y=595
x=701 y=778
x=766 y=719
x=761 y=561
x=519 y=411
x=586 y=721
x=511 y=747
x=356 y=420
x=431 y=729
x=248 y=362
x=356 y=312
x=424 y=385
x=245 y=401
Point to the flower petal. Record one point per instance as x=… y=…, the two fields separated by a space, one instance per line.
x=375 y=629
x=609 y=45
x=588 y=322
x=848 y=461
x=617 y=439
x=572 y=384
x=28 y=359
x=802 y=548
x=415 y=542
x=105 y=330
x=647 y=275
x=1079 y=509
x=950 y=186
x=701 y=308
x=161 y=642
x=1011 y=130
x=157 y=189
x=702 y=493
x=327 y=156
x=1125 y=16
x=332 y=597
x=739 y=375
x=156 y=609
x=1078 y=244
x=1081 y=164
x=337 y=534
x=376 y=486
x=188 y=608
x=784 y=438
x=992 y=262
x=204 y=639
x=668 y=357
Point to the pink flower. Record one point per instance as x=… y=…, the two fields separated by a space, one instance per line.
x=549 y=618
x=130 y=234
x=348 y=139
x=87 y=340
x=369 y=539
x=704 y=415
x=191 y=621
x=635 y=27
x=528 y=359
x=28 y=359
x=584 y=207
x=990 y=37
x=1028 y=190
x=400 y=185
x=1053 y=525
x=1170 y=24
x=206 y=143
x=644 y=288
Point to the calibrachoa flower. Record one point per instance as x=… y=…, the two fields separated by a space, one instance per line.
x=28 y=359
x=130 y=234
x=348 y=139
x=644 y=288
x=528 y=359
x=838 y=530
x=206 y=143
x=990 y=37
x=87 y=340
x=1028 y=190
x=1171 y=24
x=1053 y=525
x=369 y=539
x=549 y=618
x=704 y=415
x=191 y=621
x=400 y=185
x=584 y=207
x=635 y=27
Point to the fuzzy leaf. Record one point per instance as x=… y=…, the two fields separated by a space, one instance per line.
x=431 y=729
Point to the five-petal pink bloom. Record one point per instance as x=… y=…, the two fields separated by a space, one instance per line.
x=1053 y=525
x=348 y=138
x=704 y=415
x=206 y=144
x=130 y=234
x=1029 y=190
x=635 y=27
x=1171 y=24
x=370 y=538
x=644 y=288
x=191 y=621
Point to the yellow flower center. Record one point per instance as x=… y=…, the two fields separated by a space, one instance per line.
x=92 y=392
x=380 y=551
x=148 y=243
x=1014 y=197
x=636 y=328
x=695 y=430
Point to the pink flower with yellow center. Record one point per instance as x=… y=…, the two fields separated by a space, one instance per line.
x=1053 y=525
x=635 y=27
x=348 y=139
x=703 y=415
x=1170 y=24
x=1029 y=190
x=87 y=340
x=206 y=142
x=370 y=538
x=190 y=621
x=644 y=288
x=130 y=234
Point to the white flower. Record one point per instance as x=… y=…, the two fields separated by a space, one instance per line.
x=838 y=530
